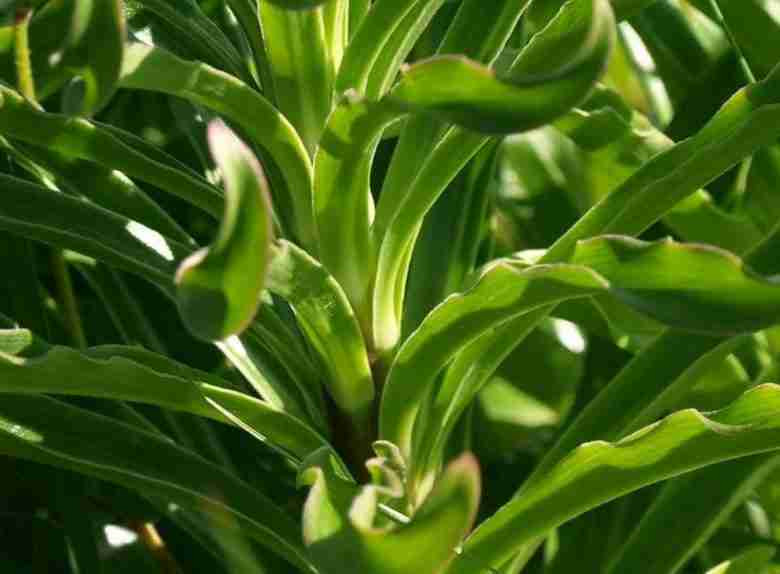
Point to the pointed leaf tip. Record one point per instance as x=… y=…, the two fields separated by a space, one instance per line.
x=218 y=287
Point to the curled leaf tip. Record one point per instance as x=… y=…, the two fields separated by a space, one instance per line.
x=471 y=95
x=218 y=288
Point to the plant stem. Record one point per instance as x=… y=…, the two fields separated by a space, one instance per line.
x=67 y=299
x=24 y=74
x=26 y=84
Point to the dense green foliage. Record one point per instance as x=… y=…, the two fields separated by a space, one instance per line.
x=390 y=286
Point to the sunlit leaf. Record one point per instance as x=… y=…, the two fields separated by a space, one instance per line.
x=218 y=288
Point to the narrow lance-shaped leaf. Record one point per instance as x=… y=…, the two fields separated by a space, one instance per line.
x=301 y=66
x=478 y=32
x=108 y=188
x=737 y=299
x=44 y=430
x=69 y=223
x=752 y=561
x=21 y=294
x=472 y=96
x=583 y=30
x=368 y=41
x=79 y=138
x=342 y=200
x=94 y=50
x=184 y=24
x=617 y=141
x=753 y=26
x=638 y=390
x=703 y=300
x=597 y=472
x=218 y=287
x=502 y=292
x=330 y=325
x=385 y=69
x=136 y=375
x=687 y=512
x=457 y=90
x=68 y=39
x=149 y=68
x=246 y=14
x=746 y=122
x=743 y=125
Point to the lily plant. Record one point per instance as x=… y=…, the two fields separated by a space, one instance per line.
x=390 y=286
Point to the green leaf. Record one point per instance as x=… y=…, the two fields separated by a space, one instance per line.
x=617 y=141
x=641 y=391
x=471 y=96
x=342 y=200
x=698 y=218
x=122 y=306
x=394 y=251
x=301 y=65
x=597 y=472
x=148 y=68
x=581 y=31
x=108 y=188
x=338 y=523
x=330 y=325
x=279 y=337
x=503 y=291
x=51 y=432
x=656 y=178
x=760 y=203
x=481 y=30
x=79 y=138
x=21 y=295
x=246 y=13
x=73 y=38
x=447 y=249
x=687 y=512
x=384 y=70
x=753 y=25
x=335 y=16
x=66 y=222
x=136 y=375
x=651 y=277
x=751 y=561
x=218 y=287
x=247 y=359
x=96 y=53
x=369 y=40
x=477 y=31
x=713 y=292
x=684 y=46
x=745 y=123
x=187 y=26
